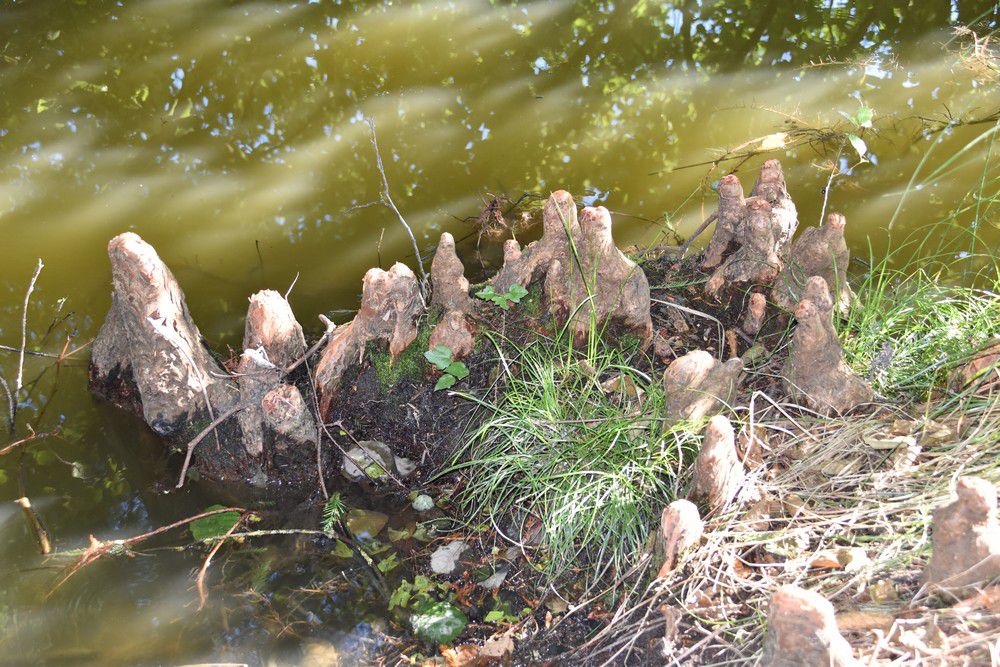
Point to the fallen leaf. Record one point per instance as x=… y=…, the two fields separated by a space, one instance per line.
x=773 y=141
x=861 y=621
x=890 y=442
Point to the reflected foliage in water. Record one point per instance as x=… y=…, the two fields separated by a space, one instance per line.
x=230 y=136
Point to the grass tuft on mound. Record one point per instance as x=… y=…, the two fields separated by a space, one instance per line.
x=573 y=458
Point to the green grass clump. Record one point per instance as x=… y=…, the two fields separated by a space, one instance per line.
x=594 y=467
x=912 y=329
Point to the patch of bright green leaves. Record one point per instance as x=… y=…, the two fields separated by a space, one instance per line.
x=433 y=618
x=453 y=371
x=513 y=295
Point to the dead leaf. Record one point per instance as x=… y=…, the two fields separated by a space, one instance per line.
x=773 y=141
x=862 y=621
x=890 y=441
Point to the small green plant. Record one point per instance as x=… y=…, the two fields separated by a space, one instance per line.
x=333 y=511
x=432 y=615
x=501 y=613
x=420 y=592
x=215 y=525
x=453 y=371
x=513 y=295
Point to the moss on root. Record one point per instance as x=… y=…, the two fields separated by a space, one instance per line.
x=411 y=364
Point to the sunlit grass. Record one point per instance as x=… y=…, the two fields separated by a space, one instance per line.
x=584 y=467
x=919 y=318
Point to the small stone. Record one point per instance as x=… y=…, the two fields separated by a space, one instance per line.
x=966 y=538
x=802 y=632
x=320 y=654
x=680 y=529
x=496 y=579
x=371 y=459
x=405 y=466
x=423 y=503
x=365 y=524
x=445 y=559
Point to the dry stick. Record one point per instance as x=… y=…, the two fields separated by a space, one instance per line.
x=24 y=341
x=202 y=593
x=34 y=436
x=44 y=545
x=319 y=435
x=98 y=548
x=697 y=233
x=387 y=201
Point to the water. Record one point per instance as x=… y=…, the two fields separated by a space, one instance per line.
x=231 y=136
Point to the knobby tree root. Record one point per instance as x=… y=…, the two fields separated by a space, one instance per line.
x=455 y=330
x=819 y=251
x=815 y=371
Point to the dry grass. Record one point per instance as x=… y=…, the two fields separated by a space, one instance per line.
x=825 y=492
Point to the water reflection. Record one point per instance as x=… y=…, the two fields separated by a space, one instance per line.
x=231 y=136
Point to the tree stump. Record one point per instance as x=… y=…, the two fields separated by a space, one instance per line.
x=966 y=537
x=149 y=355
x=451 y=294
x=698 y=385
x=718 y=472
x=390 y=306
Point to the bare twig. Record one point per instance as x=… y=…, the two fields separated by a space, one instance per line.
x=202 y=592
x=44 y=545
x=24 y=341
x=697 y=233
x=98 y=548
x=387 y=201
x=205 y=431
x=34 y=436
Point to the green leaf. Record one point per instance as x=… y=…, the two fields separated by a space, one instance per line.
x=516 y=293
x=487 y=292
x=215 y=525
x=458 y=369
x=439 y=623
x=864 y=116
x=439 y=356
x=445 y=382
x=494 y=616
x=859 y=145
x=387 y=564
x=341 y=550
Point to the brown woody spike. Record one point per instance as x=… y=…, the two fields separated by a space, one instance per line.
x=819 y=251
x=815 y=371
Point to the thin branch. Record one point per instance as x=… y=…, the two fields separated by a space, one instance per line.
x=202 y=593
x=24 y=340
x=387 y=200
x=697 y=233
x=34 y=436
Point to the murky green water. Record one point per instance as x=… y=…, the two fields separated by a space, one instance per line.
x=231 y=136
